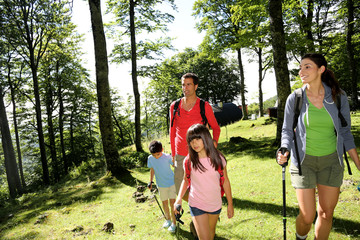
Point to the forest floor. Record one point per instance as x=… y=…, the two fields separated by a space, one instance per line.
x=91 y=204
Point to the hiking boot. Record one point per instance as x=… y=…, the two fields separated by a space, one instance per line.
x=166 y=224
x=172 y=228
x=193 y=230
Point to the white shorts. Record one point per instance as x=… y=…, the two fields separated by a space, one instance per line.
x=167 y=193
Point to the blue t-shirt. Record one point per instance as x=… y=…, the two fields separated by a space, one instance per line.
x=163 y=173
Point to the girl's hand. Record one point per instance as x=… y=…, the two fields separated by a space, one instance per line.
x=176 y=204
x=230 y=211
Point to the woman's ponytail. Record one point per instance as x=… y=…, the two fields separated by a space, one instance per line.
x=328 y=77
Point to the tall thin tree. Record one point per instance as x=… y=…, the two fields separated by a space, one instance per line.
x=103 y=91
x=350 y=53
x=12 y=172
x=280 y=61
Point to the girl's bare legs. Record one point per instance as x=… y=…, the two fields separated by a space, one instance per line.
x=328 y=198
x=307 y=210
x=205 y=225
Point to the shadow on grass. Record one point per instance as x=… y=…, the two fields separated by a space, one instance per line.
x=59 y=197
x=129 y=180
x=343 y=226
x=183 y=234
x=42 y=202
x=259 y=148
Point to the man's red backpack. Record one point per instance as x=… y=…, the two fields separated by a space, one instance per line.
x=188 y=171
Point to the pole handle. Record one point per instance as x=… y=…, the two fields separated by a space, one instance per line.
x=282 y=150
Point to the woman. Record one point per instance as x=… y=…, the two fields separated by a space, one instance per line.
x=321 y=140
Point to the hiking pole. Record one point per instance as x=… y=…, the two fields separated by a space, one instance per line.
x=283 y=151
x=154 y=194
x=159 y=206
x=177 y=217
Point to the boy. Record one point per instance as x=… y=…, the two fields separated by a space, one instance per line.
x=159 y=164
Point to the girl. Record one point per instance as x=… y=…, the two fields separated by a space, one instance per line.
x=205 y=191
x=321 y=139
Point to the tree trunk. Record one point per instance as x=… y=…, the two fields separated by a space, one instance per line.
x=44 y=164
x=103 y=92
x=61 y=122
x=308 y=26
x=261 y=104
x=134 y=78
x=117 y=124
x=12 y=173
x=242 y=85
x=17 y=138
x=280 y=62
x=350 y=54
x=52 y=146
x=71 y=159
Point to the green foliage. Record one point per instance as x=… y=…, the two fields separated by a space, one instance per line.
x=135 y=159
x=148 y=21
x=270 y=103
x=253 y=108
x=123 y=115
x=86 y=168
x=4 y=194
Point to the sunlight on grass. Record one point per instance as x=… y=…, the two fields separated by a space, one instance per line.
x=80 y=207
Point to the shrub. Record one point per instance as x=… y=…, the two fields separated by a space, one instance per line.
x=135 y=159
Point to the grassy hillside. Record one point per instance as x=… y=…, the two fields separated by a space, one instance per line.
x=79 y=207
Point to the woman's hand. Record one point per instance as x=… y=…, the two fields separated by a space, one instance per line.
x=282 y=158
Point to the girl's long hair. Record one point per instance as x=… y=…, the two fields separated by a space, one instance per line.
x=198 y=131
x=328 y=77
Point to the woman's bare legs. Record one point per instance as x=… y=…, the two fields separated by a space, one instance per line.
x=328 y=199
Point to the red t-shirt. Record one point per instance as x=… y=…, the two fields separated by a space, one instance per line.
x=183 y=122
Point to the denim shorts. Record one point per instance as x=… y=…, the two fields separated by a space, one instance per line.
x=324 y=170
x=196 y=211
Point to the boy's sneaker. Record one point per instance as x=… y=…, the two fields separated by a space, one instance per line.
x=166 y=224
x=172 y=228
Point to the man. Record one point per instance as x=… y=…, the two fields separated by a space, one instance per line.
x=188 y=113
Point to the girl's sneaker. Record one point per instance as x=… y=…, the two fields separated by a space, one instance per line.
x=172 y=228
x=166 y=224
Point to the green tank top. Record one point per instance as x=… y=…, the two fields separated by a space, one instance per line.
x=320 y=133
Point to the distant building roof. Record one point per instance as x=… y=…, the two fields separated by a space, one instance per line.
x=228 y=114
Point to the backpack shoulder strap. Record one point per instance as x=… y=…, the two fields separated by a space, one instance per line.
x=221 y=172
x=222 y=179
x=202 y=111
x=187 y=168
x=176 y=110
x=298 y=104
x=297 y=108
x=343 y=124
x=338 y=105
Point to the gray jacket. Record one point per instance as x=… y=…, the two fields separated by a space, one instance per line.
x=344 y=136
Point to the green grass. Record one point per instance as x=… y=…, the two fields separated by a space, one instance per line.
x=79 y=207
